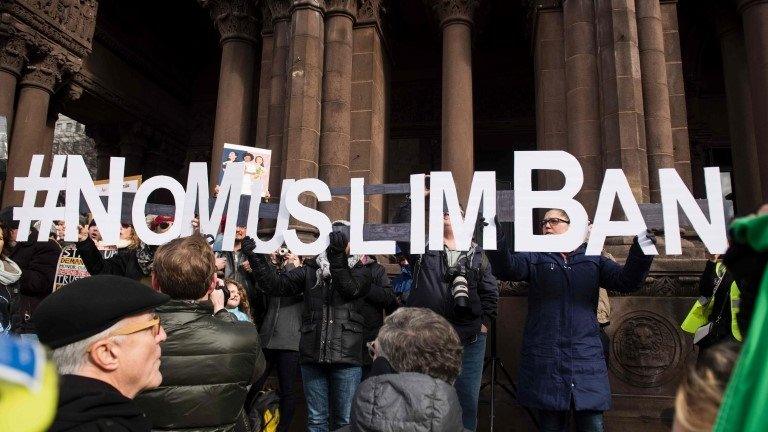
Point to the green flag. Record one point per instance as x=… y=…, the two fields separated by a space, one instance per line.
x=746 y=398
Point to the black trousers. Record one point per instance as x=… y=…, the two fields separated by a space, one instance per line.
x=286 y=363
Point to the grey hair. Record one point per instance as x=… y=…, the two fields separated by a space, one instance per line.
x=420 y=340
x=71 y=358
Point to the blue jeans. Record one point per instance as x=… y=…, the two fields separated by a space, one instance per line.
x=329 y=390
x=467 y=384
x=557 y=421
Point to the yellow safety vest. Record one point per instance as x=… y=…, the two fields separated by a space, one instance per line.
x=702 y=308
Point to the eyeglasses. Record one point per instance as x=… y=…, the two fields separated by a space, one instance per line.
x=130 y=329
x=164 y=225
x=553 y=222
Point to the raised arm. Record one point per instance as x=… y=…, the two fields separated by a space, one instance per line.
x=630 y=276
x=287 y=284
x=349 y=283
x=507 y=264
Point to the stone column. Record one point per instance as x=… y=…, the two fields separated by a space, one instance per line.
x=369 y=106
x=754 y=15
x=280 y=12
x=238 y=27
x=582 y=97
x=549 y=66
x=13 y=54
x=457 y=132
x=658 y=125
x=676 y=85
x=265 y=78
x=621 y=96
x=746 y=167
x=304 y=92
x=29 y=128
x=335 y=111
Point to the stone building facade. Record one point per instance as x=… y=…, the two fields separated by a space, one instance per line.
x=383 y=88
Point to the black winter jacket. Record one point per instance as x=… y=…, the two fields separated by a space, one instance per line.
x=207 y=364
x=380 y=299
x=123 y=263
x=430 y=291
x=332 y=323
x=90 y=405
x=37 y=261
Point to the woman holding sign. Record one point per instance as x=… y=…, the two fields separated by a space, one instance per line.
x=562 y=367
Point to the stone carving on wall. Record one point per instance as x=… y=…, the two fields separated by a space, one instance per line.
x=646 y=349
x=369 y=12
x=68 y=23
x=13 y=54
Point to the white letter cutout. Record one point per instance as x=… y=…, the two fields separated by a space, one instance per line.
x=526 y=199
x=308 y=215
x=615 y=184
x=140 y=200
x=197 y=189
x=358 y=246
x=483 y=188
x=674 y=192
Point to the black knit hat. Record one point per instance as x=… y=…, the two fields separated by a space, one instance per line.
x=91 y=305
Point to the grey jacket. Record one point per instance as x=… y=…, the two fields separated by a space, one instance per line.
x=408 y=401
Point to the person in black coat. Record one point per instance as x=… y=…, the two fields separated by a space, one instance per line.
x=37 y=261
x=132 y=262
x=97 y=387
x=331 y=341
x=380 y=300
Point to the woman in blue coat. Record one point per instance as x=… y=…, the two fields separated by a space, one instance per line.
x=562 y=366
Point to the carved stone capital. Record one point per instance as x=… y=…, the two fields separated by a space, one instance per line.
x=45 y=72
x=279 y=9
x=267 y=26
x=341 y=7
x=234 y=19
x=451 y=11
x=13 y=55
x=317 y=5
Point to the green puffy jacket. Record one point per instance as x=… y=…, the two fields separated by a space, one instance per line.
x=207 y=363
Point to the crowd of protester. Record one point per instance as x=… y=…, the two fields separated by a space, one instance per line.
x=186 y=336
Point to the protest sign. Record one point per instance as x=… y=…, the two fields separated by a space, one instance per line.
x=70 y=267
x=256 y=163
x=708 y=222
x=130 y=184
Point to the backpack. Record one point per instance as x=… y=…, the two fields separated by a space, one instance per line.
x=264 y=413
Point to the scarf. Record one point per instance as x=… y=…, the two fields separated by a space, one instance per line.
x=145 y=255
x=8 y=277
x=324 y=267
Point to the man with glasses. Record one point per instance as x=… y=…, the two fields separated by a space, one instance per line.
x=105 y=338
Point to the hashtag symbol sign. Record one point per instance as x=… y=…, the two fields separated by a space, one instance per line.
x=31 y=186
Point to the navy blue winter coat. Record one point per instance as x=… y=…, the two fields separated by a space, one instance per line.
x=562 y=356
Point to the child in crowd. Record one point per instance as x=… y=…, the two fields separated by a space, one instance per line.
x=238 y=300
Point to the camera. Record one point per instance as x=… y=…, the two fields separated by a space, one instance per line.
x=283 y=251
x=456 y=276
x=225 y=290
